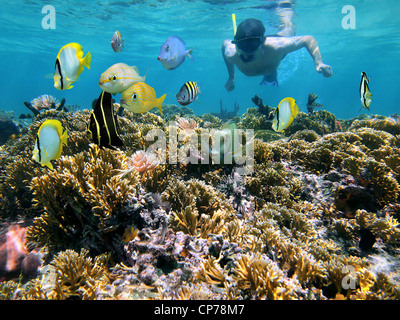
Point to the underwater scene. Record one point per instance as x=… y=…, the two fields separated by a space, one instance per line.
x=199 y=150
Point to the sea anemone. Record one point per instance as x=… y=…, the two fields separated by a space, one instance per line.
x=187 y=125
x=143 y=161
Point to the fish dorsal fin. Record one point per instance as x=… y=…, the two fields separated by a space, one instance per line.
x=136 y=69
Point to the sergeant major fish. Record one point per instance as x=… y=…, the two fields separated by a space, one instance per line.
x=365 y=93
x=284 y=115
x=140 y=98
x=119 y=77
x=173 y=52
x=103 y=125
x=188 y=93
x=116 y=42
x=69 y=65
x=49 y=142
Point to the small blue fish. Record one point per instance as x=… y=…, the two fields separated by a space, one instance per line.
x=116 y=42
x=173 y=53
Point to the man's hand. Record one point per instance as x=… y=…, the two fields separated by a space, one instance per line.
x=230 y=84
x=325 y=69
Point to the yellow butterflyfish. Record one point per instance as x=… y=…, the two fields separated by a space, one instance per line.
x=69 y=65
x=49 y=142
x=284 y=115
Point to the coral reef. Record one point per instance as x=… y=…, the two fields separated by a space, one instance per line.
x=253 y=119
x=82 y=201
x=7 y=127
x=263 y=109
x=317 y=218
x=70 y=275
x=321 y=121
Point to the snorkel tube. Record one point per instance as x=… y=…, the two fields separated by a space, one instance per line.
x=234 y=23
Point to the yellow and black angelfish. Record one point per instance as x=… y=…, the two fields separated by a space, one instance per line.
x=103 y=127
x=365 y=93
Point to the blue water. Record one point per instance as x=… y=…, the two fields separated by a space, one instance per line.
x=28 y=52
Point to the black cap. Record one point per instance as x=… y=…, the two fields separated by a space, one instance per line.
x=249 y=28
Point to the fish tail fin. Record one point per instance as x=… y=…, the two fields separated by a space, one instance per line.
x=64 y=138
x=160 y=101
x=87 y=60
x=295 y=110
x=48 y=164
x=189 y=54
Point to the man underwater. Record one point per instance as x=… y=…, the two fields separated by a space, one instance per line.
x=255 y=54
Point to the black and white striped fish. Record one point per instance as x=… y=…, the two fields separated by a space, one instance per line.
x=365 y=93
x=103 y=125
x=188 y=93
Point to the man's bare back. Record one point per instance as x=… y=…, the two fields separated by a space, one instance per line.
x=267 y=57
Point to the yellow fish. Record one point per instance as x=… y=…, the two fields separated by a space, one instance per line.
x=284 y=115
x=69 y=65
x=119 y=77
x=140 y=98
x=49 y=142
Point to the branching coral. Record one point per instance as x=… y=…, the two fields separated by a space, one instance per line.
x=71 y=275
x=253 y=119
x=271 y=182
x=368 y=154
x=197 y=208
x=82 y=200
x=261 y=277
x=322 y=122
x=211 y=272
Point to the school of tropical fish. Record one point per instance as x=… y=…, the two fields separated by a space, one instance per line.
x=137 y=96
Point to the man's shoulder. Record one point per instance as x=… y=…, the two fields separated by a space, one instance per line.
x=227 y=42
x=280 y=43
x=229 y=48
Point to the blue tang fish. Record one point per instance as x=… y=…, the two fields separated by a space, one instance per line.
x=173 y=53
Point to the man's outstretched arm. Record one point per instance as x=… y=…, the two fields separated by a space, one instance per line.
x=308 y=42
x=230 y=84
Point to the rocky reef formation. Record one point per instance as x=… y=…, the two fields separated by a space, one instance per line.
x=8 y=128
x=317 y=218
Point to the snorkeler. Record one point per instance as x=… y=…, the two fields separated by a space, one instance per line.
x=255 y=54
